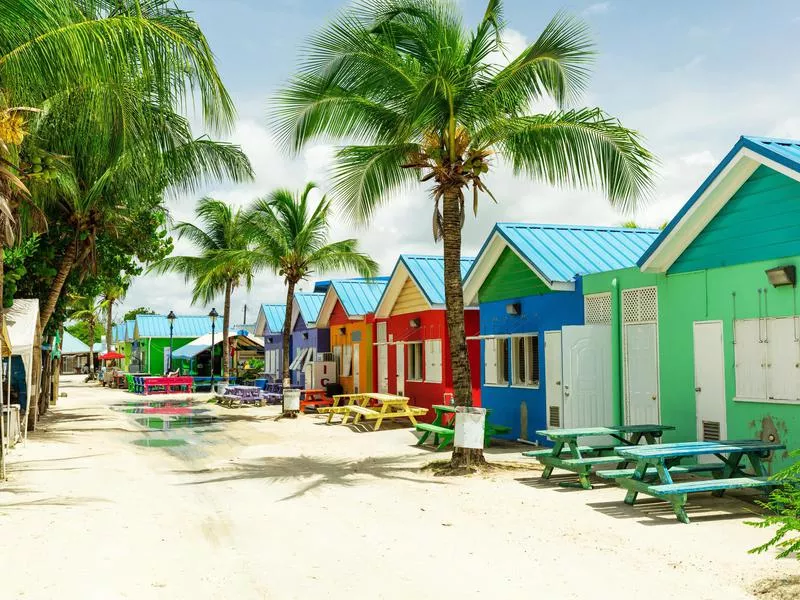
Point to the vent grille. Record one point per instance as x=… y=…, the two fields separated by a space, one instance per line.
x=597 y=309
x=640 y=305
x=711 y=431
x=325 y=357
x=555 y=416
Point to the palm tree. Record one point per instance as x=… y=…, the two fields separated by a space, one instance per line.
x=291 y=240
x=88 y=309
x=113 y=292
x=223 y=262
x=426 y=100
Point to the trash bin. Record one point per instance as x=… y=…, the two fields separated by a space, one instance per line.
x=470 y=427
x=291 y=399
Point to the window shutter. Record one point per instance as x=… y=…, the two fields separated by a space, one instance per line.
x=490 y=361
x=750 y=356
x=433 y=361
x=347 y=361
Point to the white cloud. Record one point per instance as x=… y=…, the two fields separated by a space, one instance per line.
x=701 y=159
x=597 y=8
x=513 y=44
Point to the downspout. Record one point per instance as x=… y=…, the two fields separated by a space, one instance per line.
x=149 y=353
x=616 y=346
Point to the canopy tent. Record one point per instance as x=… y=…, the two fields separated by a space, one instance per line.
x=5 y=340
x=203 y=343
x=23 y=329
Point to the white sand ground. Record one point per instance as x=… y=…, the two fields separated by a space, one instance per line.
x=297 y=509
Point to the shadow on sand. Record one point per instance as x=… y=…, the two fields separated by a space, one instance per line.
x=321 y=471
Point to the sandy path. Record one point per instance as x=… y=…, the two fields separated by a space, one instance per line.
x=250 y=508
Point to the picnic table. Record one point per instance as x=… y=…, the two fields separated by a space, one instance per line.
x=315 y=397
x=567 y=454
x=372 y=406
x=656 y=464
x=166 y=385
x=241 y=394
x=443 y=427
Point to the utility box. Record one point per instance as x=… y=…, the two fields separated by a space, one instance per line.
x=318 y=374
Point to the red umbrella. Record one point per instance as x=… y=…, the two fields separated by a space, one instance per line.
x=111 y=355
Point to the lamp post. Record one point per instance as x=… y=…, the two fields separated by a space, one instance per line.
x=171 y=318
x=213 y=316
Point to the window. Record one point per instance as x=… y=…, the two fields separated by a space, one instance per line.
x=347 y=361
x=766 y=355
x=414 y=350
x=495 y=361
x=525 y=360
x=433 y=361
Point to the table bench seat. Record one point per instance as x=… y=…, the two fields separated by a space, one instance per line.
x=438 y=429
x=676 y=470
x=589 y=461
x=498 y=429
x=367 y=413
x=715 y=485
x=581 y=449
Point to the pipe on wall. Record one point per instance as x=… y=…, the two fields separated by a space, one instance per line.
x=617 y=331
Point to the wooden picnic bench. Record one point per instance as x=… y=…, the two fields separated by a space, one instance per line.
x=656 y=464
x=567 y=454
x=166 y=385
x=387 y=406
x=240 y=395
x=314 y=398
x=443 y=428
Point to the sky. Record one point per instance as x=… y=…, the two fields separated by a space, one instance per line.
x=690 y=76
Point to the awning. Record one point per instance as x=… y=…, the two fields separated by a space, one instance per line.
x=203 y=343
x=494 y=336
x=304 y=356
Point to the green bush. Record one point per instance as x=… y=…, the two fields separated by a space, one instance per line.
x=784 y=506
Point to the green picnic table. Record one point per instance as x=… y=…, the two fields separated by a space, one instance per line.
x=656 y=464
x=443 y=428
x=582 y=458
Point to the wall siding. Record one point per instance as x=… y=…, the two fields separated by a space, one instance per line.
x=510 y=278
x=540 y=313
x=684 y=298
x=410 y=299
x=760 y=222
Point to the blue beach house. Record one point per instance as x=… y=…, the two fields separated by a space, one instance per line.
x=526 y=281
x=269 y=326
x=307 y=340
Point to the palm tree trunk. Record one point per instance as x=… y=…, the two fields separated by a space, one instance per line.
x=58 y=284
x=226 y=325
x=454 y=302
x=287 y=324
x=109 y=333
x=91 y=350
x=2 y=318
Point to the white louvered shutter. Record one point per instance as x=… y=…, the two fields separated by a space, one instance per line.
x=433 y=361
x=490 y=361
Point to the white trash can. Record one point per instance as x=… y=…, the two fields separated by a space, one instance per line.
x=470 y=427
x=291 y=399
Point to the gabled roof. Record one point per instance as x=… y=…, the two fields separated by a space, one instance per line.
x=359 y=297
x=307 y=305
x=558 y=254
x=427 y=273
x=72 y=345
x=270 y=319
x=130 y=327
x=157 y=326
x=119 y=332
x=724 y=181
x=203 y=343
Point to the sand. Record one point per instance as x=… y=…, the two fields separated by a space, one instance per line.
x=99 y=506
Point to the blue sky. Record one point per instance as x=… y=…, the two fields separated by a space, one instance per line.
x=690 y=76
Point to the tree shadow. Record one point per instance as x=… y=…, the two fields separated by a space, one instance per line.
x=777 y=588
x=322 y=472
x=53 y=501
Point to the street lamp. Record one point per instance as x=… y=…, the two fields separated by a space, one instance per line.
x=213 y=316
x=171 y=318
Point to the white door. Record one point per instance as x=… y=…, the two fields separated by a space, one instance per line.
x=641 y=373
x=356 y=365
x=552 y=375
x=709 y=380
x=586 y=366
x=400 y=347
x=383 y=359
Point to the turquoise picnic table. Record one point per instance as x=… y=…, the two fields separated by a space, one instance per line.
x=567 y=454
x=656 y=464
x=443 y=428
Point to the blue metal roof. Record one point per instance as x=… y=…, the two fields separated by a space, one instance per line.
x=157 y=326
x=72 y=345
x=784 y=152
x=560 y=253
x=129 y=328
x=428 y=273
x=119 y=332
x=360 y=296
x=310 y=303
x=275 y=314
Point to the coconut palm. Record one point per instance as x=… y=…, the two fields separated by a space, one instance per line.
x=418 y=97
x=88 y=309
x=223 y=262
x=113 y=292
x=291 y=239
